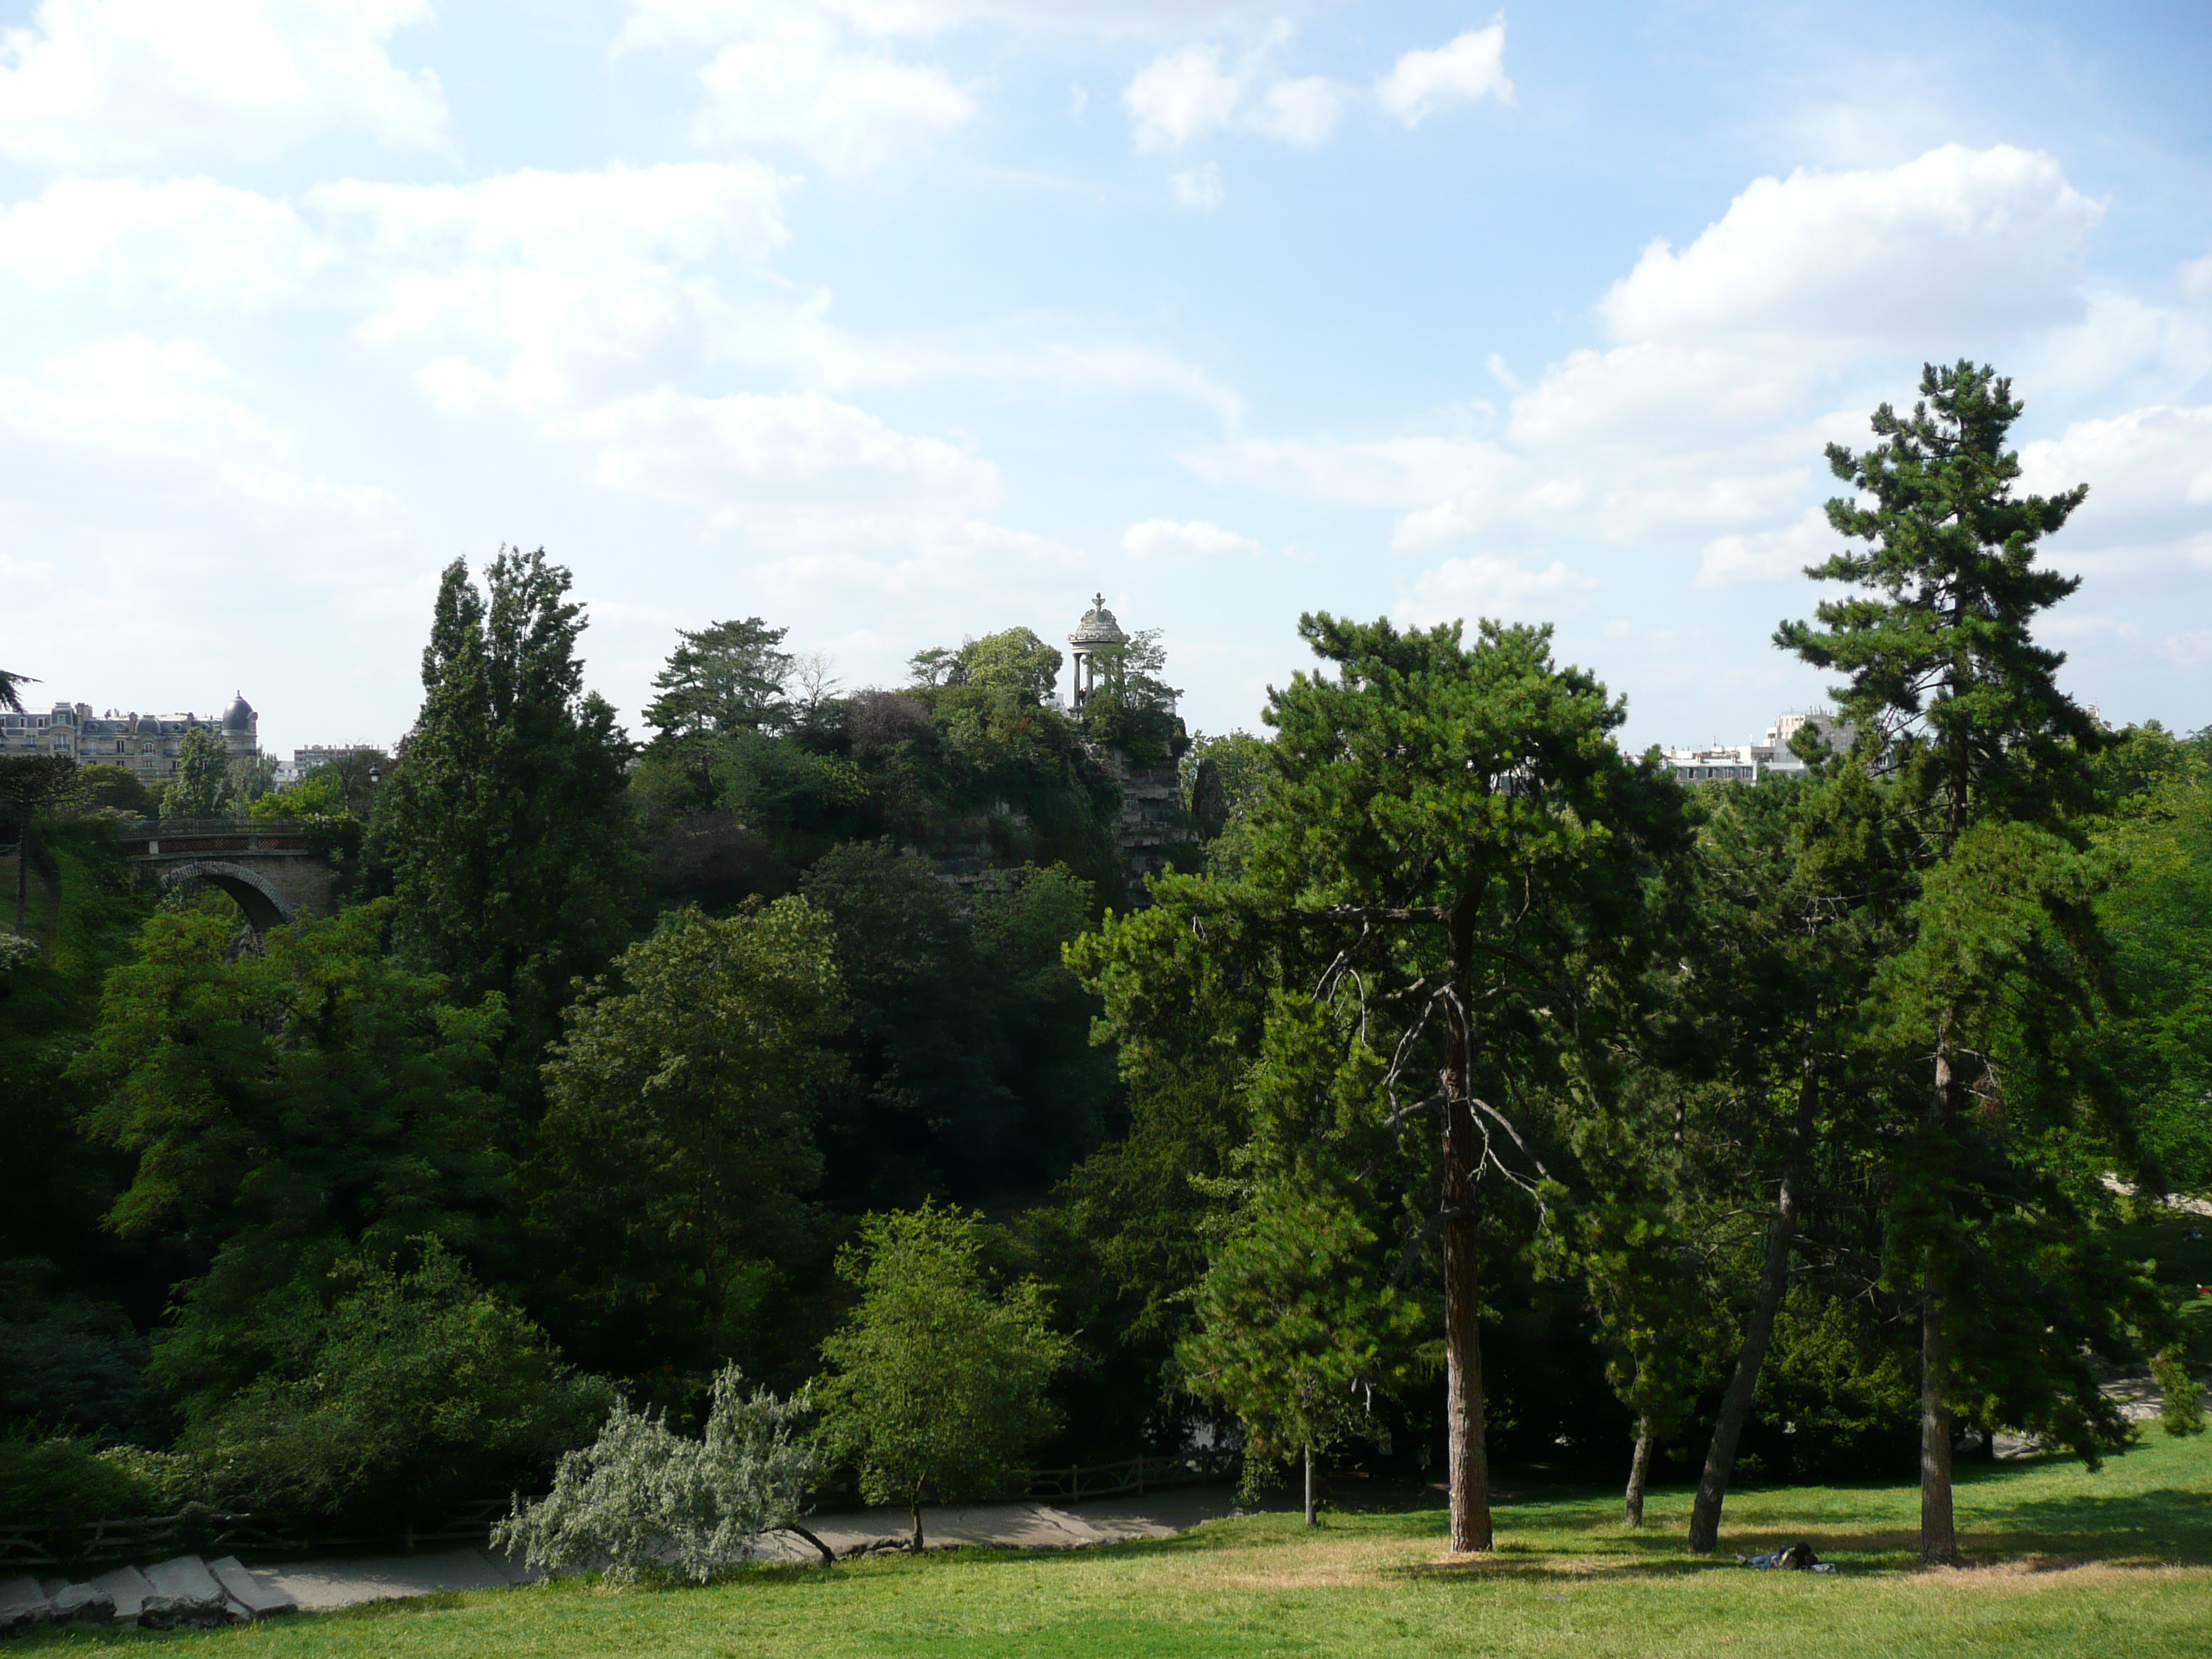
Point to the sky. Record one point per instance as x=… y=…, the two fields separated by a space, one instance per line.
x=896 y=322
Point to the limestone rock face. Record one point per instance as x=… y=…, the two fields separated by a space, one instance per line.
x=1151 y=827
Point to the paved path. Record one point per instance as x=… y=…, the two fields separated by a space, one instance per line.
x=1031 y=1524
x=315 y=1586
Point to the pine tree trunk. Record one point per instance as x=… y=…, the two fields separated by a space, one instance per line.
x=1759 y=1329
x=1743 y=1381
x=1470 y=1456
x=1939 y=1533
x=1313 y=1501
x=1639 y=1471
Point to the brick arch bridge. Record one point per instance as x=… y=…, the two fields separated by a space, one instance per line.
x=264 y=865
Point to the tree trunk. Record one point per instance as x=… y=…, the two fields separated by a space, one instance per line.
x=1313 y=1501
x=1757 y=1331
x=1939 y=1533
x=914 y=1509
x=22 y=871
x=1470 y=1455
x=828 y=1555
x=1639 y=1471
x=1743 y=1381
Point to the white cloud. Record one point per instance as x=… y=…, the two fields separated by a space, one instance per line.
x=613 y=217
x=2149 y=473
x=134 y=395
x=1302 y=111
x=170 y=411
x=101 y=82
x=1393 y=473
x=732 y=453
x=852 y=107
x=1955 y=241
x=655 y=20
x=1766 y=555
x=191 y=238
x=2190 y=650
x=1022 y=357
x=1472 y=66
x=1162 y=537
x=1658 y=392
x=1181 y=96
x=573 y=285
x=1482 y=584
x=1201 y=188
x=551 y=291
x=1700 y=437
x=2160 y=352
x=2197 y=277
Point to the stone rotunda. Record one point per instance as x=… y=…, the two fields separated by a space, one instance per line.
x=1097 y=628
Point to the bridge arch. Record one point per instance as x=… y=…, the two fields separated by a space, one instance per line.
x=264 y=907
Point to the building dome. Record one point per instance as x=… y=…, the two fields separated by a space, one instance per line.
x=139 y=725
x=1098 y=626
x=240 y=717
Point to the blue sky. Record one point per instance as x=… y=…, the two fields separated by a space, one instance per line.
x=897 y=320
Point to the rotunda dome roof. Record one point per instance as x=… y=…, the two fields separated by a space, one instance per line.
x=1098 y=626
x=240 y=717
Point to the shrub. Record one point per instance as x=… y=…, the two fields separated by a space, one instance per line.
x=413 y=1392
x=643 y=1495
x=62 y=1481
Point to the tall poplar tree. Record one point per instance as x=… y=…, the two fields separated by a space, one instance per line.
x=505 y=819
x=1985 y=763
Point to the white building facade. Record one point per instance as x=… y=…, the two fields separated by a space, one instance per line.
x=1747 y=762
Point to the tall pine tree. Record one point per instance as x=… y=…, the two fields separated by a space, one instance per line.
x=1459 y=821
x=1985 y=765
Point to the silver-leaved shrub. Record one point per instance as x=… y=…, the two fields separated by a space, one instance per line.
x=643 y=1495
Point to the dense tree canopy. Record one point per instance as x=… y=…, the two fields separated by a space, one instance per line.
x=1458 y=1086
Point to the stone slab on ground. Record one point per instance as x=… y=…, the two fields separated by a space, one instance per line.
x=253 y=1594
x=185 y=1596
x=185 y=1578
x=23 y=1606
x=79 y=1604
x=127 y=1588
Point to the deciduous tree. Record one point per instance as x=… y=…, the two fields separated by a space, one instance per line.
x=937 y=1382
x=678 y=1130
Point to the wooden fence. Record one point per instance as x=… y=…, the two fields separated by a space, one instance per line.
x=145 y=1538
x=1079 y=1482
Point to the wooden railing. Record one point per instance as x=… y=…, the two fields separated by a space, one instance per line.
x=1081 y=1480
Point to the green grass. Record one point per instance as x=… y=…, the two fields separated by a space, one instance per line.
x=2118 y=1562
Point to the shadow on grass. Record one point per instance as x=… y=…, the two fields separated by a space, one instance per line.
x=2165 y=1524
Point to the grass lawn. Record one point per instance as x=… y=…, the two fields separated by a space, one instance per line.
x=2116 y=1564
